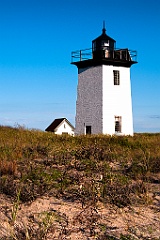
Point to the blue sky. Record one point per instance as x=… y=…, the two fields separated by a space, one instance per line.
x=37 y=81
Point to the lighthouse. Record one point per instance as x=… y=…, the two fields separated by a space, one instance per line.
x=104 y=101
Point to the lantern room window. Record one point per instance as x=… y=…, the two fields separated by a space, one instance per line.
x=105 y=44
x=94 y=46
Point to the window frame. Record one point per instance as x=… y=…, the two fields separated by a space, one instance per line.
x=116 y=77
x=118 y=124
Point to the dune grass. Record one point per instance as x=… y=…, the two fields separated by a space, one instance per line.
x=88 y=168
x=116 y=170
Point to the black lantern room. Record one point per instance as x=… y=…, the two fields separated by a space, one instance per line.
x=104 y=51
x=103 y=46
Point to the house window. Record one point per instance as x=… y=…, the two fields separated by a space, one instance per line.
x=118 y=124
x=88 y=129
x=64 y=126
x=64 y=133
x=116 y=77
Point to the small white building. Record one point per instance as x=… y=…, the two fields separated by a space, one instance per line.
x=61 y=126
x=104 y=102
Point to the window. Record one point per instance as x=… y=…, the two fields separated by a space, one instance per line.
x=118 y=124
x=116 y=77
x=88 y=129
x=105 y=44
x=64 y=133
x=94 y=46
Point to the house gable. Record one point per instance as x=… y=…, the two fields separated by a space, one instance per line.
x=61 y=126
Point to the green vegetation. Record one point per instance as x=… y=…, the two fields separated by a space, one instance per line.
x=88 y=169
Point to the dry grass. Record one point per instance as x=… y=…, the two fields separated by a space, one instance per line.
x=121 y=171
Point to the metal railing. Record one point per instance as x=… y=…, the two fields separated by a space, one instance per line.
x=81 y=55
x=116 y=54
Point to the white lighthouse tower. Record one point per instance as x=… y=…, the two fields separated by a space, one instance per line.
x=104 y=103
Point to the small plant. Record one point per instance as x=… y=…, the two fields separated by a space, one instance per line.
x=45 y=224
x=15 y=207
x=126 y=237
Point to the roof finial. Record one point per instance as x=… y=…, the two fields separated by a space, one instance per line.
x=104 y=29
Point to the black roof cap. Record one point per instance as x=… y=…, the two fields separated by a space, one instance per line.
x=104 y=36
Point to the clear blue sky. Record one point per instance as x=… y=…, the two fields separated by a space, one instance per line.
x=37 y=81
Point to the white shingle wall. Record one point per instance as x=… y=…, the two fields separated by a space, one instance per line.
x=99 y=100
x=89 y=100
x=117 y=100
